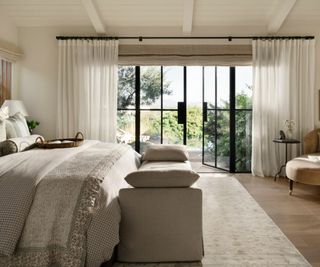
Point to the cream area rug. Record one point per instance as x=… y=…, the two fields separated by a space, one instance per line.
x=237 y=231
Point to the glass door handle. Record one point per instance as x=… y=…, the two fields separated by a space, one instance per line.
x=205 y=111
x=182 y=114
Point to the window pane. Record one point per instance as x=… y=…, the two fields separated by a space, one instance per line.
x=194 y=86
x=223 y=139
x=194 y=113
x=126 y=127
x=209 y=139
x=172 y=131
x=150 y=128
x=223 y=87
x=244 y=87
x=243 y=140
x=172 y=86
x=194 y=133
x=209 y=86
x=150 y=87
x=126 y=87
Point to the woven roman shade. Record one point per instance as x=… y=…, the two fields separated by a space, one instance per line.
x=182 y=55
x=9 y=52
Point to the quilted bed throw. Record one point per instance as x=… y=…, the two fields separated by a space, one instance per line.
x=47 y=198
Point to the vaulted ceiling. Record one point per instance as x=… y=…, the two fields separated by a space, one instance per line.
x=187 y=14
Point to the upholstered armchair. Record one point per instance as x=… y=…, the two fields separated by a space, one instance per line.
x=311 y=142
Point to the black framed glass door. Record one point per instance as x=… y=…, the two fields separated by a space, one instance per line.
x=206 y=108
x=227 y=118
x=216 y=117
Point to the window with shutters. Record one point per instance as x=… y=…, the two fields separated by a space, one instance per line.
x=5 y=80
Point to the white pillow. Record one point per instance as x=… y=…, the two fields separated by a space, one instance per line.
x=18 y=144
x=16 y=126
x=163 y=174
x=2 y=130
x=165 y=153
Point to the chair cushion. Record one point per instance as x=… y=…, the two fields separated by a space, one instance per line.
x=304 y=170
x=163 y=174
x=165 y=153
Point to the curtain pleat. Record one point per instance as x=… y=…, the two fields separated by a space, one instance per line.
x=284 y=89
x=87 y=88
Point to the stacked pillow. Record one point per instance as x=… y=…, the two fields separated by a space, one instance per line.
x=3 y=117
x=166 y=153
x=16 y=126
x=14 y=134
x=18 y=144
x=164 y=166
x=2 y=130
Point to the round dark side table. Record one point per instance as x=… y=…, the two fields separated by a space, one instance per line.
x=286 y=142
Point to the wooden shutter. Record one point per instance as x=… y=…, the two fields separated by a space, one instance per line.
x=5 y=80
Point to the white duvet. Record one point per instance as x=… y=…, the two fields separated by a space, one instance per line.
x=47 y=199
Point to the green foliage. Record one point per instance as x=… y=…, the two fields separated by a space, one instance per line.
x=32 y=124
x=150 y=84
x=194 y=126
x=172 y=131
x=126 y=86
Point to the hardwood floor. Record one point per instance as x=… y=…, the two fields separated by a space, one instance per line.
x=298 y=216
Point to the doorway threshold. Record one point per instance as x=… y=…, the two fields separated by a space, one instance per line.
x=198 y=167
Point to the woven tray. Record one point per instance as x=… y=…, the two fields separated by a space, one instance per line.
x=60 y=143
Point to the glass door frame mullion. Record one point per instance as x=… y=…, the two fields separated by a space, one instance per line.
x=232 y=120
x=203 y=122
x=215 y=116
x=138 y=115
x=185 y=102
x=161 y=106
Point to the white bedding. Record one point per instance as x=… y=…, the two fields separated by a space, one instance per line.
x=56 y=183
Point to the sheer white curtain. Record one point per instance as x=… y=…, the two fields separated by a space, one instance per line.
x=87 y=88
x=284 y=88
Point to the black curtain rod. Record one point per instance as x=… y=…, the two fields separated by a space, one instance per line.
x=141 y=38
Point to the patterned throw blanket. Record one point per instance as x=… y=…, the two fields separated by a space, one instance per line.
x=47 y=198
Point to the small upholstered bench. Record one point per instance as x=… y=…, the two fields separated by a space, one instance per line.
x=161 y=214
x=303 y=169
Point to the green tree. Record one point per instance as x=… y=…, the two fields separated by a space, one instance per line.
x=150 y=84
x=243 y=133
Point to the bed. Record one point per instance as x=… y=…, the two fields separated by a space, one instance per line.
x=60 y=207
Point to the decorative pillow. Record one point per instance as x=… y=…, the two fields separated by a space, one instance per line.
x=3 y=117
x=18 y=144
x=2 y=130
x=16 y=126
x=166 y=153
x=163 y=174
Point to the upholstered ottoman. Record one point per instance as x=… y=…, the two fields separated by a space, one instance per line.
x=303 y=170
x=161 y=215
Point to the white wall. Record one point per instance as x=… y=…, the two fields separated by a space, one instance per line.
x=38 y=68
x=8 y=31
x=9 y=36
x=38 y=74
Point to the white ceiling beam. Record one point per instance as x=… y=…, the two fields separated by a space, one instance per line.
x=96 y=20
x=280 y=15
x=187 y=16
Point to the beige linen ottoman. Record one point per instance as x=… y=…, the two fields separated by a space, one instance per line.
x=161 y=218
